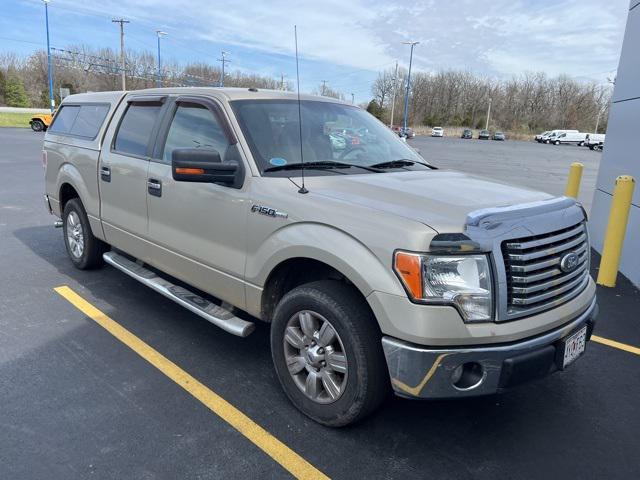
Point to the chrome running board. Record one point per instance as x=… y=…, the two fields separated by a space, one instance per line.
x=211 y=312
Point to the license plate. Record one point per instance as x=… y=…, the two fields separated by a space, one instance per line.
x=574 y=346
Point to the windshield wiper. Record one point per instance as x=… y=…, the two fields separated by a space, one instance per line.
x=403 y=162
x=323 y=164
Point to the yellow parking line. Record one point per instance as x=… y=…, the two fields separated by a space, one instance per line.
x=290 y=460
x=614 y=344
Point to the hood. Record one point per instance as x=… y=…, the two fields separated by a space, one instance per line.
x=440 y=199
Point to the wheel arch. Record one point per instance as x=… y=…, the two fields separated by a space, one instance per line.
x=328 y=253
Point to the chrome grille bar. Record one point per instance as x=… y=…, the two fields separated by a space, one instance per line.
x=536 y=277
x=548 y=251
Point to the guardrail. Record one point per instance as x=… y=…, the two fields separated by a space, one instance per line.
x=23 y=110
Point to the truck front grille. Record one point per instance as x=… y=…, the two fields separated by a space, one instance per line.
x=535 y=279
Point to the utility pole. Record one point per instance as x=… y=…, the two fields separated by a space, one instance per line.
x=324 y=83
x=52 y=102
x=123 y=66
x=352 y=98
x=486 y=127
x=223 y=60
x=406 y=95
x=160 y=34
x=282 y=81
x=393 y=98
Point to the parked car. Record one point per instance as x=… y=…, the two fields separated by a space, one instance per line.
x=576 y=138
x=407 y=132
x=374 y=271
x=499 y=136
x=551 y=137
x=484 y=135
x=594 y=140
x=538 y=138
x=41 y=121
x=467 y=133
x=437 y=132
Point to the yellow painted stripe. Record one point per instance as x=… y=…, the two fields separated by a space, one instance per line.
x=614 y=344
x=290 y=460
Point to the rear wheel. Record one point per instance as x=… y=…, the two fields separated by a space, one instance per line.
x=83 y=248
x=326 y=350
x=37 y=125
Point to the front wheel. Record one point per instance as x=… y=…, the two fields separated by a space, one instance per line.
x=84 y=249
x=327 y=353
x=556 y=142
x=37 y=125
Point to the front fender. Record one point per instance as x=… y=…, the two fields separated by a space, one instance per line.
x=328 y=245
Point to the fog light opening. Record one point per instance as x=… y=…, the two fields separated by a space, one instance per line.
x=468 y=376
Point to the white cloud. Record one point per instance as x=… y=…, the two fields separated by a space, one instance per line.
x=496 y=37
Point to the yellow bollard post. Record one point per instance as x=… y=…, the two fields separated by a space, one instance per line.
x=573 y=182
x=616 y=229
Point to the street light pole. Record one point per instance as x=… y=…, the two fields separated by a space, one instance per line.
x=160 y=34
x=406 y=95
x=52 y=102
x=123 y=67
x=352 y=98
x=393 y=98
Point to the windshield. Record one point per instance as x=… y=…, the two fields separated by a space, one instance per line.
x=331 y=132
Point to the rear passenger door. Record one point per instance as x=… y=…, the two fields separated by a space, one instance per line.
x=122 y=174
x=199 y=228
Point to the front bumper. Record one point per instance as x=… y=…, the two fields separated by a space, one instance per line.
x=423 y=372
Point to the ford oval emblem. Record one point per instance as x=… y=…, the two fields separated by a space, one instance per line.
x=569 y=262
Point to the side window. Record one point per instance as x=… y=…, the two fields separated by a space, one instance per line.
x=89 y=120
x=64 y=119
x=194 y=126
x=135 y=128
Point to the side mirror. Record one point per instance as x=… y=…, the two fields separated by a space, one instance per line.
x=202 y=165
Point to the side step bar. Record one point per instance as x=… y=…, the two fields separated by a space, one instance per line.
x=211 y=312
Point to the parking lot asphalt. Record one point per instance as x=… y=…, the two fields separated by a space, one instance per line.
x=76 y=402
x=530 y=164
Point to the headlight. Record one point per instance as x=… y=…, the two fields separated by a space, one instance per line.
x=460 y=280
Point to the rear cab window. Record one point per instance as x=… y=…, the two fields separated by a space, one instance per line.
x=82 y=120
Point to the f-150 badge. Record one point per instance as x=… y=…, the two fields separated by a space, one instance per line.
x=268 y=211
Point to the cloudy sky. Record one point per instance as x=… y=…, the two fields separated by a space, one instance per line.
x=344 y=42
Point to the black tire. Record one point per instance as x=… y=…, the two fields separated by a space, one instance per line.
x=557 y=142
x=367 y=381
x=37 y=125
x=93 y=248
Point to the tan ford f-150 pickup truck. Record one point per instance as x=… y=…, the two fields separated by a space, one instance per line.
x=375 y=270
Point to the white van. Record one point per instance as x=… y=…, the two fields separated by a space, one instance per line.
x=594 y=140
x=570 y=137
x=550 y=138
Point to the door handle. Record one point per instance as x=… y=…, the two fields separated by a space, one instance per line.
x=105 y=174
x=154 y=187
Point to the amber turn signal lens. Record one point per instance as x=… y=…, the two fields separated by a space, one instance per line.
x=190 y=171
x=409 y=267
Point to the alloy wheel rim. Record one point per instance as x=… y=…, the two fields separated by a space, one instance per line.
x=75 y=235
x=315 y=357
